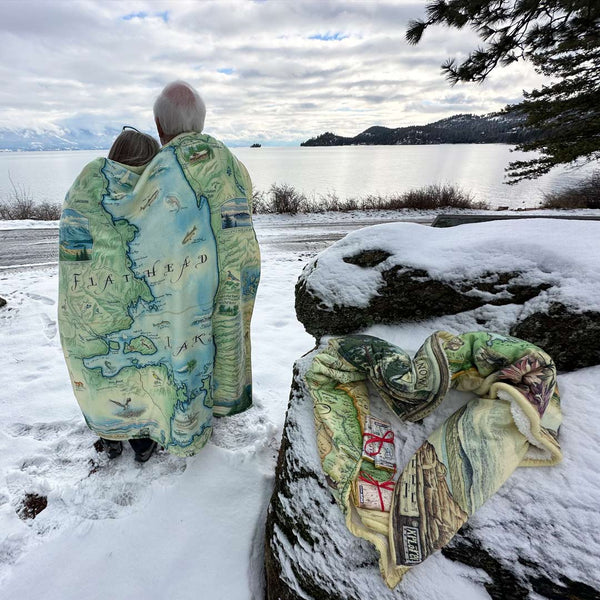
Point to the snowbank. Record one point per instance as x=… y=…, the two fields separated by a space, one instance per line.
x=564 y=254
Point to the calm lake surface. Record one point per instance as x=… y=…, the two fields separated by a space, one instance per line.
x=348 y=171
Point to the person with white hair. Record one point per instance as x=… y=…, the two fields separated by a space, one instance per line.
x=178 y=109
x=156 y=328
x=221 y=181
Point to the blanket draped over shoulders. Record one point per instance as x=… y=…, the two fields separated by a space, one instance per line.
x=158 y=272
x=417 y=508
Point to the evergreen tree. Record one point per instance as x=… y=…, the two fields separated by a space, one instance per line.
x=561 y=38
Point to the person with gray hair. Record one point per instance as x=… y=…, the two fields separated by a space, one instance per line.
x=178 y=109
x=222 y=185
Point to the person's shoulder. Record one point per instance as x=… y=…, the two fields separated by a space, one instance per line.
x=94 y=167
x=198 y=148
x=193 y=137
x=96 y=164
x=188 y=137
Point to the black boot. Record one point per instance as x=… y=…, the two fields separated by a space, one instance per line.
x=143 y=448
x=112 y=448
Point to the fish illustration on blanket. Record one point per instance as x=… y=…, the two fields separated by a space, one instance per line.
x=189 y=236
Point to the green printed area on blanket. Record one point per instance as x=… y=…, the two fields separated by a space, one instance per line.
x=158 y=273
x=512 y=421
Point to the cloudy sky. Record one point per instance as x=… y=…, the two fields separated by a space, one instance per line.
x=272 y=71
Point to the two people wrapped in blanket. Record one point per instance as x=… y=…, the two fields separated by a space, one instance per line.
x=158 y=271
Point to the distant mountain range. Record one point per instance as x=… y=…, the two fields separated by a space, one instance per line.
x=56 y=139
x=459 y=129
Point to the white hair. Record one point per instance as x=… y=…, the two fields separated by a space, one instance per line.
x=179 y=108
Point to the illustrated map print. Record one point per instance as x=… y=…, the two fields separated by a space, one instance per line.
x=426 y=516
x=156 y=295
x=235 y=213
x=464 y=461
x=239 y=268
x=75 y=239
x=150 y=351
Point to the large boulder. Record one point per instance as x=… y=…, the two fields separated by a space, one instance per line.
x=538 y=279
x=534 y=538
x=571 y=338
x=2 y=302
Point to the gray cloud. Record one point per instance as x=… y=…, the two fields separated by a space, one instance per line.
x=71 y=63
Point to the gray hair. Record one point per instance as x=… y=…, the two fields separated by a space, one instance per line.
x=133 y=148
x=179 y=108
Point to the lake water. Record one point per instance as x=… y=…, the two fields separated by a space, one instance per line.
x=348 y=171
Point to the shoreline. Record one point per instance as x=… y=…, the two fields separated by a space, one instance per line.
x=366 y=215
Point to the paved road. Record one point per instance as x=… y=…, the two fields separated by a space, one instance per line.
x=27 y=248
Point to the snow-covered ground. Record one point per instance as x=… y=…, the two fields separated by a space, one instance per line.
x=193 y=528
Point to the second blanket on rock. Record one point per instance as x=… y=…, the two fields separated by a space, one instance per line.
x=513 y=421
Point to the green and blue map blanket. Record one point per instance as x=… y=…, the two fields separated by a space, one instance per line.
x=513 y=421
x=158 y=273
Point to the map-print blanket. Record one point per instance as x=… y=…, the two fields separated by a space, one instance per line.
x=158 y=274
x=513 y=422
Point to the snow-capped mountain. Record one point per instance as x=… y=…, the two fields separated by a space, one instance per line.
x=56 y=139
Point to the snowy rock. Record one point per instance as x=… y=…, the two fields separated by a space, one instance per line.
x=307 y=541
x=2 y=302
x=549 y=270
x=561 y=331
x=536 y=538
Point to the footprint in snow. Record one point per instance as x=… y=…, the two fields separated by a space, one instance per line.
x=63 y=467
x=40 y=431
x=43 y=299
x=49 y=326
x=247 y=430
x=79 y=480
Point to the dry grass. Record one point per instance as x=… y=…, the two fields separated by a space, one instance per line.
x=285 y=199
x=586 y=194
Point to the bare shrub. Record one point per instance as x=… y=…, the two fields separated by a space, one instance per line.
x=47 y=211
x=371 y=202
x=285 y=199
x=585 y=194
x=428 y=198
x=329 y=202
x=439 y=196
x=350 y=204
x=280 y=199
x=259 y=204
x=20 y=205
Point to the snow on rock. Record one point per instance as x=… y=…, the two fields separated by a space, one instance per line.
x=548 y=269
x=536 y=538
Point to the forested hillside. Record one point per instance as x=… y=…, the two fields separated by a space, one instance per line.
x=459 y=129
